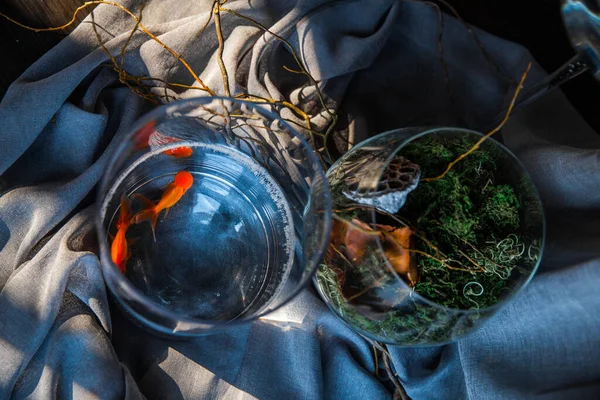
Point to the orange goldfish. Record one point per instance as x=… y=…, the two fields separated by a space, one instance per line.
x=141 y=139
x=119 y=249
x=159 y=139
x=179 y=152
x=147 y=135
x=355 y=238
x=172 y=194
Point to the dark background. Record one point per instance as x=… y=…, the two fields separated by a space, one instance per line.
x=536 y=24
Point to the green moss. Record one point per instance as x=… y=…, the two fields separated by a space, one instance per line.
x=500 y=209
x=465 y=214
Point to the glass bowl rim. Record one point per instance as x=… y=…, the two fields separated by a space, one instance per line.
x=134 y=293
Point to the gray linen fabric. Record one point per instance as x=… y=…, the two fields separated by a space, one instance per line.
x=379 y=64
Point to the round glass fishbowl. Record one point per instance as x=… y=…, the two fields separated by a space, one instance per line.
x=423 y=250
x=212 y=213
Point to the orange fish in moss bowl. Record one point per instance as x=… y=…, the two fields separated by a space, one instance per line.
x=423 y=250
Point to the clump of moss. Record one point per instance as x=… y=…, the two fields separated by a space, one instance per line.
x=465 y=215
x=500 y=209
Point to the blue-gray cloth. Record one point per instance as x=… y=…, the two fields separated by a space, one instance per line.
x=380 y=64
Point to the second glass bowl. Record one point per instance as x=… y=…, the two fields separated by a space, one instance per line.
x=417 y=258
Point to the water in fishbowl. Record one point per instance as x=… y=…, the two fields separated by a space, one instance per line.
x=223 y=240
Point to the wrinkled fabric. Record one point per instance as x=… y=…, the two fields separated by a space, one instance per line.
x=379 y=65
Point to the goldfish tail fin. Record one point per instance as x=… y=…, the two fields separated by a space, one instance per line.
x=148 y=213
x=126 y=205
x=121 y=266
x=153 y=220
x=146 y=203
